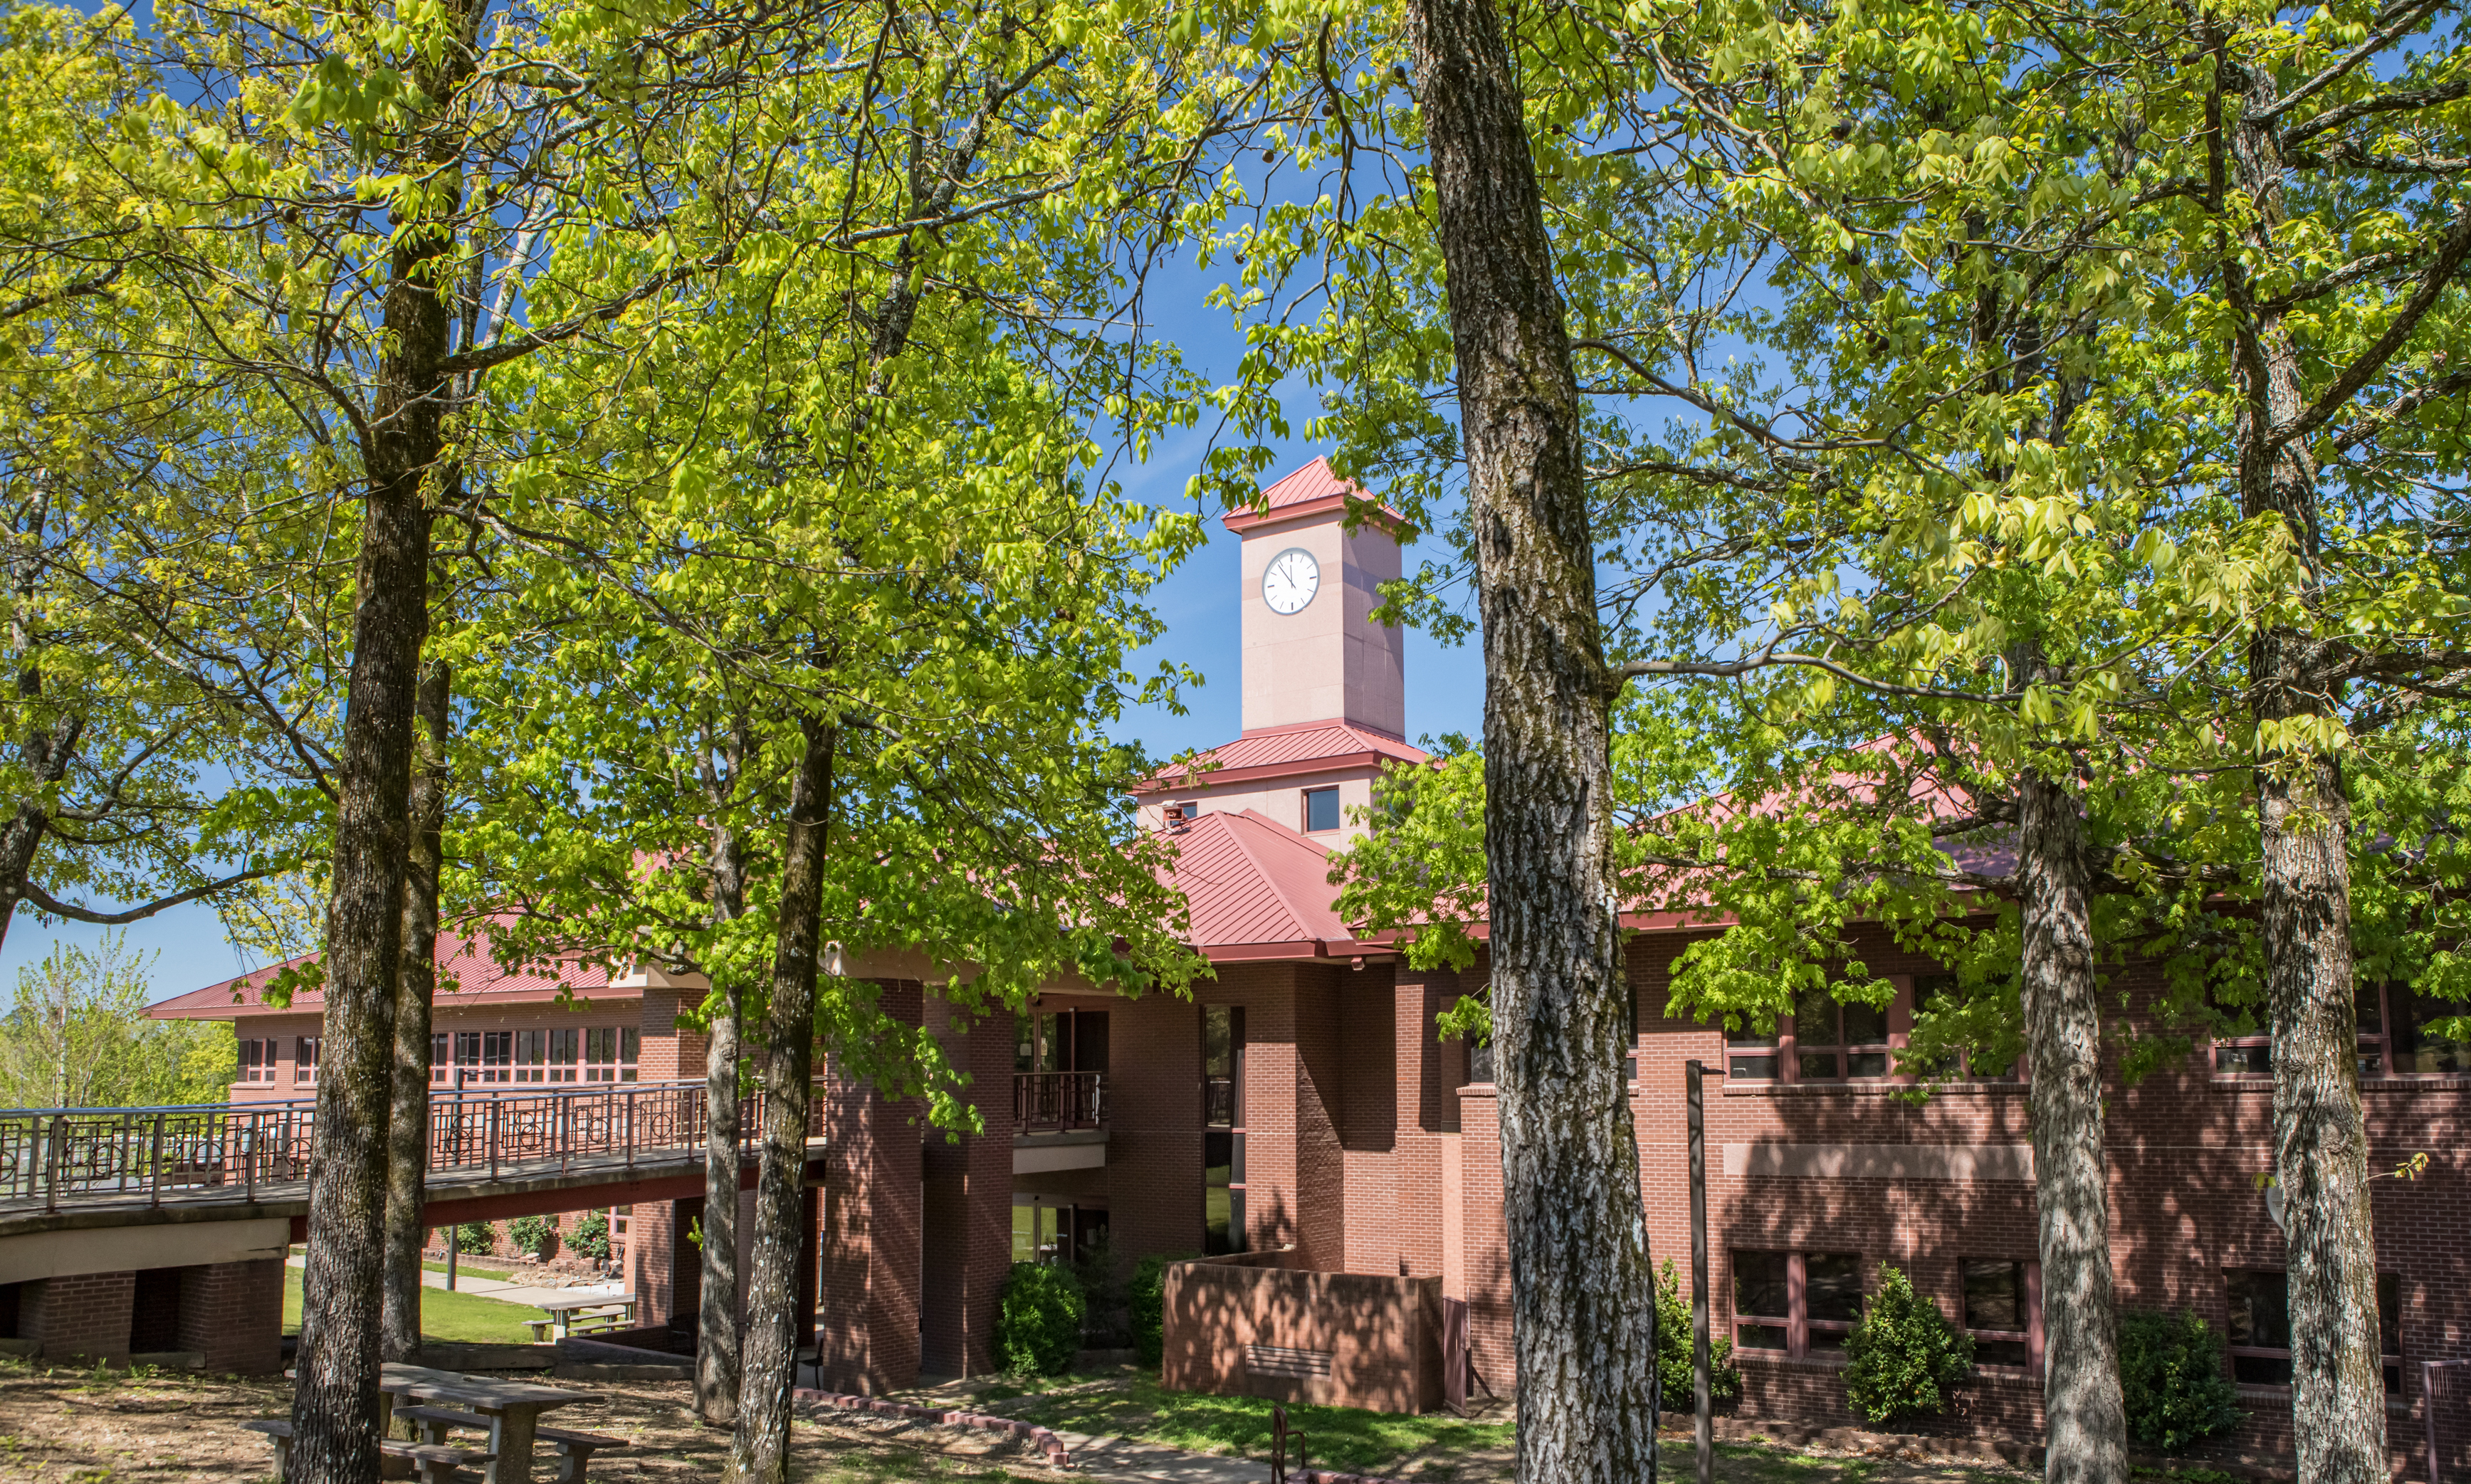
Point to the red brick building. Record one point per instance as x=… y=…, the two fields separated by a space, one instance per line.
x=1302 y=1099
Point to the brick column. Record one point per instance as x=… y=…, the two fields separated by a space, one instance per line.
x=872 y=1189
x=232 y=1313
x=1486 y=1237
x=968 y=1217
x=84 y=1317
x=1428 y=1110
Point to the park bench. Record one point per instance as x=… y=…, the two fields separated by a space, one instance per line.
x=434 y=1462
x=581 y=1324
x=574 y=1451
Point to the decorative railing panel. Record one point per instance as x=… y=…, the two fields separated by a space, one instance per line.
x=68 y=1155
x=1052 y=1101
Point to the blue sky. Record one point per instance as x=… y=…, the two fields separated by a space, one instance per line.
x=1197 y=603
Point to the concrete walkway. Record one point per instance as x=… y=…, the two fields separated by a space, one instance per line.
x=506 y=1290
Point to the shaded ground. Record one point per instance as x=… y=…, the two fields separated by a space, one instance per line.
x=65 y=1427
x=1123 y=1401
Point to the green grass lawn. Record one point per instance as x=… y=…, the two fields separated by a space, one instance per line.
x=484 y=1266
x=443 y=1315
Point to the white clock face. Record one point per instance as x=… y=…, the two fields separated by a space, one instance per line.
x=1291 y=581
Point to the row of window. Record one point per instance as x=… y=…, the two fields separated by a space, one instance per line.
x=2399 y=1037
x=1806 y=1303
x=464 y=1058
x=1801 y=1303
x=1824 y=1041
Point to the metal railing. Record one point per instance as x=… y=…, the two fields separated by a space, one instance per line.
x=1045 y=1100
x=231 y=1150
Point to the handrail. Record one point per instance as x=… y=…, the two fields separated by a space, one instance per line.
x=230 y=1150
x=1059 y=1100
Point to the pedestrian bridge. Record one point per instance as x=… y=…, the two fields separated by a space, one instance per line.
x=78 y=1186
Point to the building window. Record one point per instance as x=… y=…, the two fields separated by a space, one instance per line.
x=1833 y=1043
x=257 y=1061
x=2260 y=1327
x=2396 y=1038
x=546 y=1055
x=441 y=1055
x=609 y=1054
x=1796 y=1302
x=1181 y=815
x=1222 y=1137
x=483 y=1056
x=2003 y=1311
x=1934 y=994
x=1750 y=1054
x=304 y=1058
x=1321 y=809
x=2410 y=1045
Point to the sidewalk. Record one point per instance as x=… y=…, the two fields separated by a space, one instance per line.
x=504 y=1290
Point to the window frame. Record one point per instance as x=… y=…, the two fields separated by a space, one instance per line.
x=2388 y=1330
x=306 y=1052
x=1796 y=1321
x=611 y=1054
x=1338 y=811
x=1229 y=1128
x=258 y=1058
x=2248 y=1057
x=2029 y=1297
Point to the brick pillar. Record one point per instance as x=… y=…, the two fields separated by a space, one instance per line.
x=232 y=1313
x=1486 y=1237
x=872 y=1188
x=662 y=1267
x=82 y=1317
x=1428 y=1111
x=968 y=1216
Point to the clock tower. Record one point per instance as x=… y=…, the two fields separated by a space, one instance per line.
x=1312 y=653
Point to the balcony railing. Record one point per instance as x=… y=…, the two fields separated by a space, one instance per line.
x=229 y=1150
x=1050 y=1101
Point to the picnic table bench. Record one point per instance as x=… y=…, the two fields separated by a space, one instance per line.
x=511 y=1409
x=597 y=1310
x=434 y=1461
x=574 y=1450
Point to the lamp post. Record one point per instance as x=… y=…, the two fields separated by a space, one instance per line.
x=1703 y=1434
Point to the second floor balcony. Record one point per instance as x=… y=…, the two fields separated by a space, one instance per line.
x=1045 y=1102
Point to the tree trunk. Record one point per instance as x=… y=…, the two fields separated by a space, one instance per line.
x=716 y=1340
x=2303 y=819
x=760 y=1452
x=1582 y=1293
x=2086 y=1423
x=335 y=1405
x=45 y=750
x=408 y=1121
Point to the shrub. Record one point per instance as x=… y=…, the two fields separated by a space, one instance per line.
x=1673 y=1351
x=533 y=1233
x=591 y=1235
x=475 y=1238
x=1103 y=1322
x=2171 y=1378
x=1038 y=1321
x=1903 y=1354
x=1145 y=1299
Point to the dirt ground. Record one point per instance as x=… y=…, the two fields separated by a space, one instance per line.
x=67 y=1426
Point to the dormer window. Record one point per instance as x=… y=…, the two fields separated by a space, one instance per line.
x=1181 y=815
x=1321 y=809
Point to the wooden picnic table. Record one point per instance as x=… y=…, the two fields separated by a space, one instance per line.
x=564 y=1309
x=513 y=1409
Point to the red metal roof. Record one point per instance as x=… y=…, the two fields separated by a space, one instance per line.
x=1250 y=882
x=467 y=975
x=1305 y=747
x=1311 y=491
